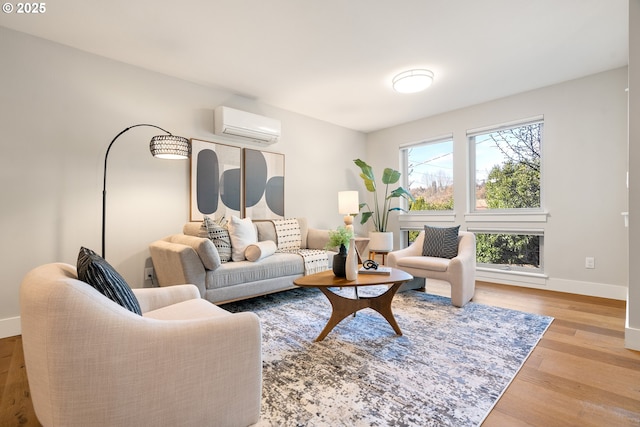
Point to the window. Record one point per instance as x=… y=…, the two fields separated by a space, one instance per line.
x=509 y=251
x=428 y=168
x=428 y=171
x=507 y=167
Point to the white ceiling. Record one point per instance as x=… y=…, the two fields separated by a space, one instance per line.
x=334 y=59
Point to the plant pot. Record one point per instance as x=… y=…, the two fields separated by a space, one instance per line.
x=339 y=261
x=381 y=241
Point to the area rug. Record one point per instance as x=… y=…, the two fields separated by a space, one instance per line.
x=448 y=368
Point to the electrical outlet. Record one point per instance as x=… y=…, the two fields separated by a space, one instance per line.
x=590 y=262
x=148 y=273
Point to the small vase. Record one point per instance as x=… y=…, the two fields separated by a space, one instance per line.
x=339 y=261
x=351 y=266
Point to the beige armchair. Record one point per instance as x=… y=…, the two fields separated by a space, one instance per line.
x=92 y=363
x=460 y=271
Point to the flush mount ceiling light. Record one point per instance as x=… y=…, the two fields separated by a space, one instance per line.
x=412 y=81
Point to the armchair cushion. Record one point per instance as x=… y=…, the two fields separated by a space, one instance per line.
x=97 y=272
x=441 y=242
x=424 y=263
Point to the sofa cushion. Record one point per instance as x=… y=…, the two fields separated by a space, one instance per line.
x=97 y=272
x=242 y=233
x=441 y=242
x=260 y=250
x=219 y=235
x=276 y=266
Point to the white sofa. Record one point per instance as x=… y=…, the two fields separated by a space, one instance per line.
x=459 y=272
x=92 y=363
x=187 y=258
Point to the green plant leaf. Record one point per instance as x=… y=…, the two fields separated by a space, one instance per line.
x=401 y=192
x=368 y=183
x=390 y=176
x=365 y=217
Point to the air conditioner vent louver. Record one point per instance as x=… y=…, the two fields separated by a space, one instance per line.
x=241 y=124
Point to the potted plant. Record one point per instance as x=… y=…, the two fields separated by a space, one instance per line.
x=380 y=238
x=339 y=238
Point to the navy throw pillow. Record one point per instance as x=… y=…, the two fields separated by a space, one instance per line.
x=97 y=272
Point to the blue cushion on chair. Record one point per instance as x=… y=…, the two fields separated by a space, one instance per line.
x=441 y=242
x=97 y=272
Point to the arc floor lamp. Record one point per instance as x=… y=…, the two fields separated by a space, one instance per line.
x=161 y=146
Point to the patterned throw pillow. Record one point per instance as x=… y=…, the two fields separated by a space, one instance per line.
x=441 y=242
x=220 y=238
x=97 y=272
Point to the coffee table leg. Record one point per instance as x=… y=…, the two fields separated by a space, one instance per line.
x=342 y=307
x=382 y=304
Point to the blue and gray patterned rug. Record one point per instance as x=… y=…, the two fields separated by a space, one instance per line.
x=448 y=368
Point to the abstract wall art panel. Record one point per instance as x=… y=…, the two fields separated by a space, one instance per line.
x=263 y=184
x=215 y=180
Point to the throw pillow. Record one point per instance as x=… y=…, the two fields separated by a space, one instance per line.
x=97 y=272
x=242 y=233
x=220 y=238
x=441 y=242
x=260 y=250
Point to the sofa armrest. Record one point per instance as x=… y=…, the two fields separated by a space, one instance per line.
x=155 y=298
x=317 y=239
x=177 y=264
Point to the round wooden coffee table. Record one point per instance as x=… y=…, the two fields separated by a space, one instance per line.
x=343 y=307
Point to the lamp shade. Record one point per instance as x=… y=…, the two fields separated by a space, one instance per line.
x=348 y=202
x=412 y=81
x=170 y=147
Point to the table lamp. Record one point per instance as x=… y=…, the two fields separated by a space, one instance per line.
x=349 y=206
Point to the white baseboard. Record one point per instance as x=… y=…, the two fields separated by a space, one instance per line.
x=10 y=327
x=631 y=335
x=632 y=338
x=603 y=290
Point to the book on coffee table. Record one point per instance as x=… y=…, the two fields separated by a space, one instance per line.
x=380 y=270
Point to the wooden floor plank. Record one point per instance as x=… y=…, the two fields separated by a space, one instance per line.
x=16 y=408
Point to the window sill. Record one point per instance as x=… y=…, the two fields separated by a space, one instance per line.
x=510 y=276
x=416 y=221
x=506 y=217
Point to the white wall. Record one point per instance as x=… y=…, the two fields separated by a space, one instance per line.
x=632 y=334
x=60 y=108
x=584 y=167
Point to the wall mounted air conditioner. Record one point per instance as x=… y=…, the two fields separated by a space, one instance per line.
x=231 y=122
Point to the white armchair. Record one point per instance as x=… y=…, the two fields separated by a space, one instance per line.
x=92 y=363
x=460 y=271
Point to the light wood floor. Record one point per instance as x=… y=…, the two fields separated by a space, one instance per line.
x=580 y=374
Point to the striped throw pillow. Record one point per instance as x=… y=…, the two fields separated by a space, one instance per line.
x=219 y=235
x=97 y=272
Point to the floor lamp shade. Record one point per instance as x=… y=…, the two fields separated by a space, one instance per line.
x=161 y=146
x=170 y=147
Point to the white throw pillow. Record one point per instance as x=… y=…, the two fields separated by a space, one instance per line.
x=242 y=233
x=260 y=250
